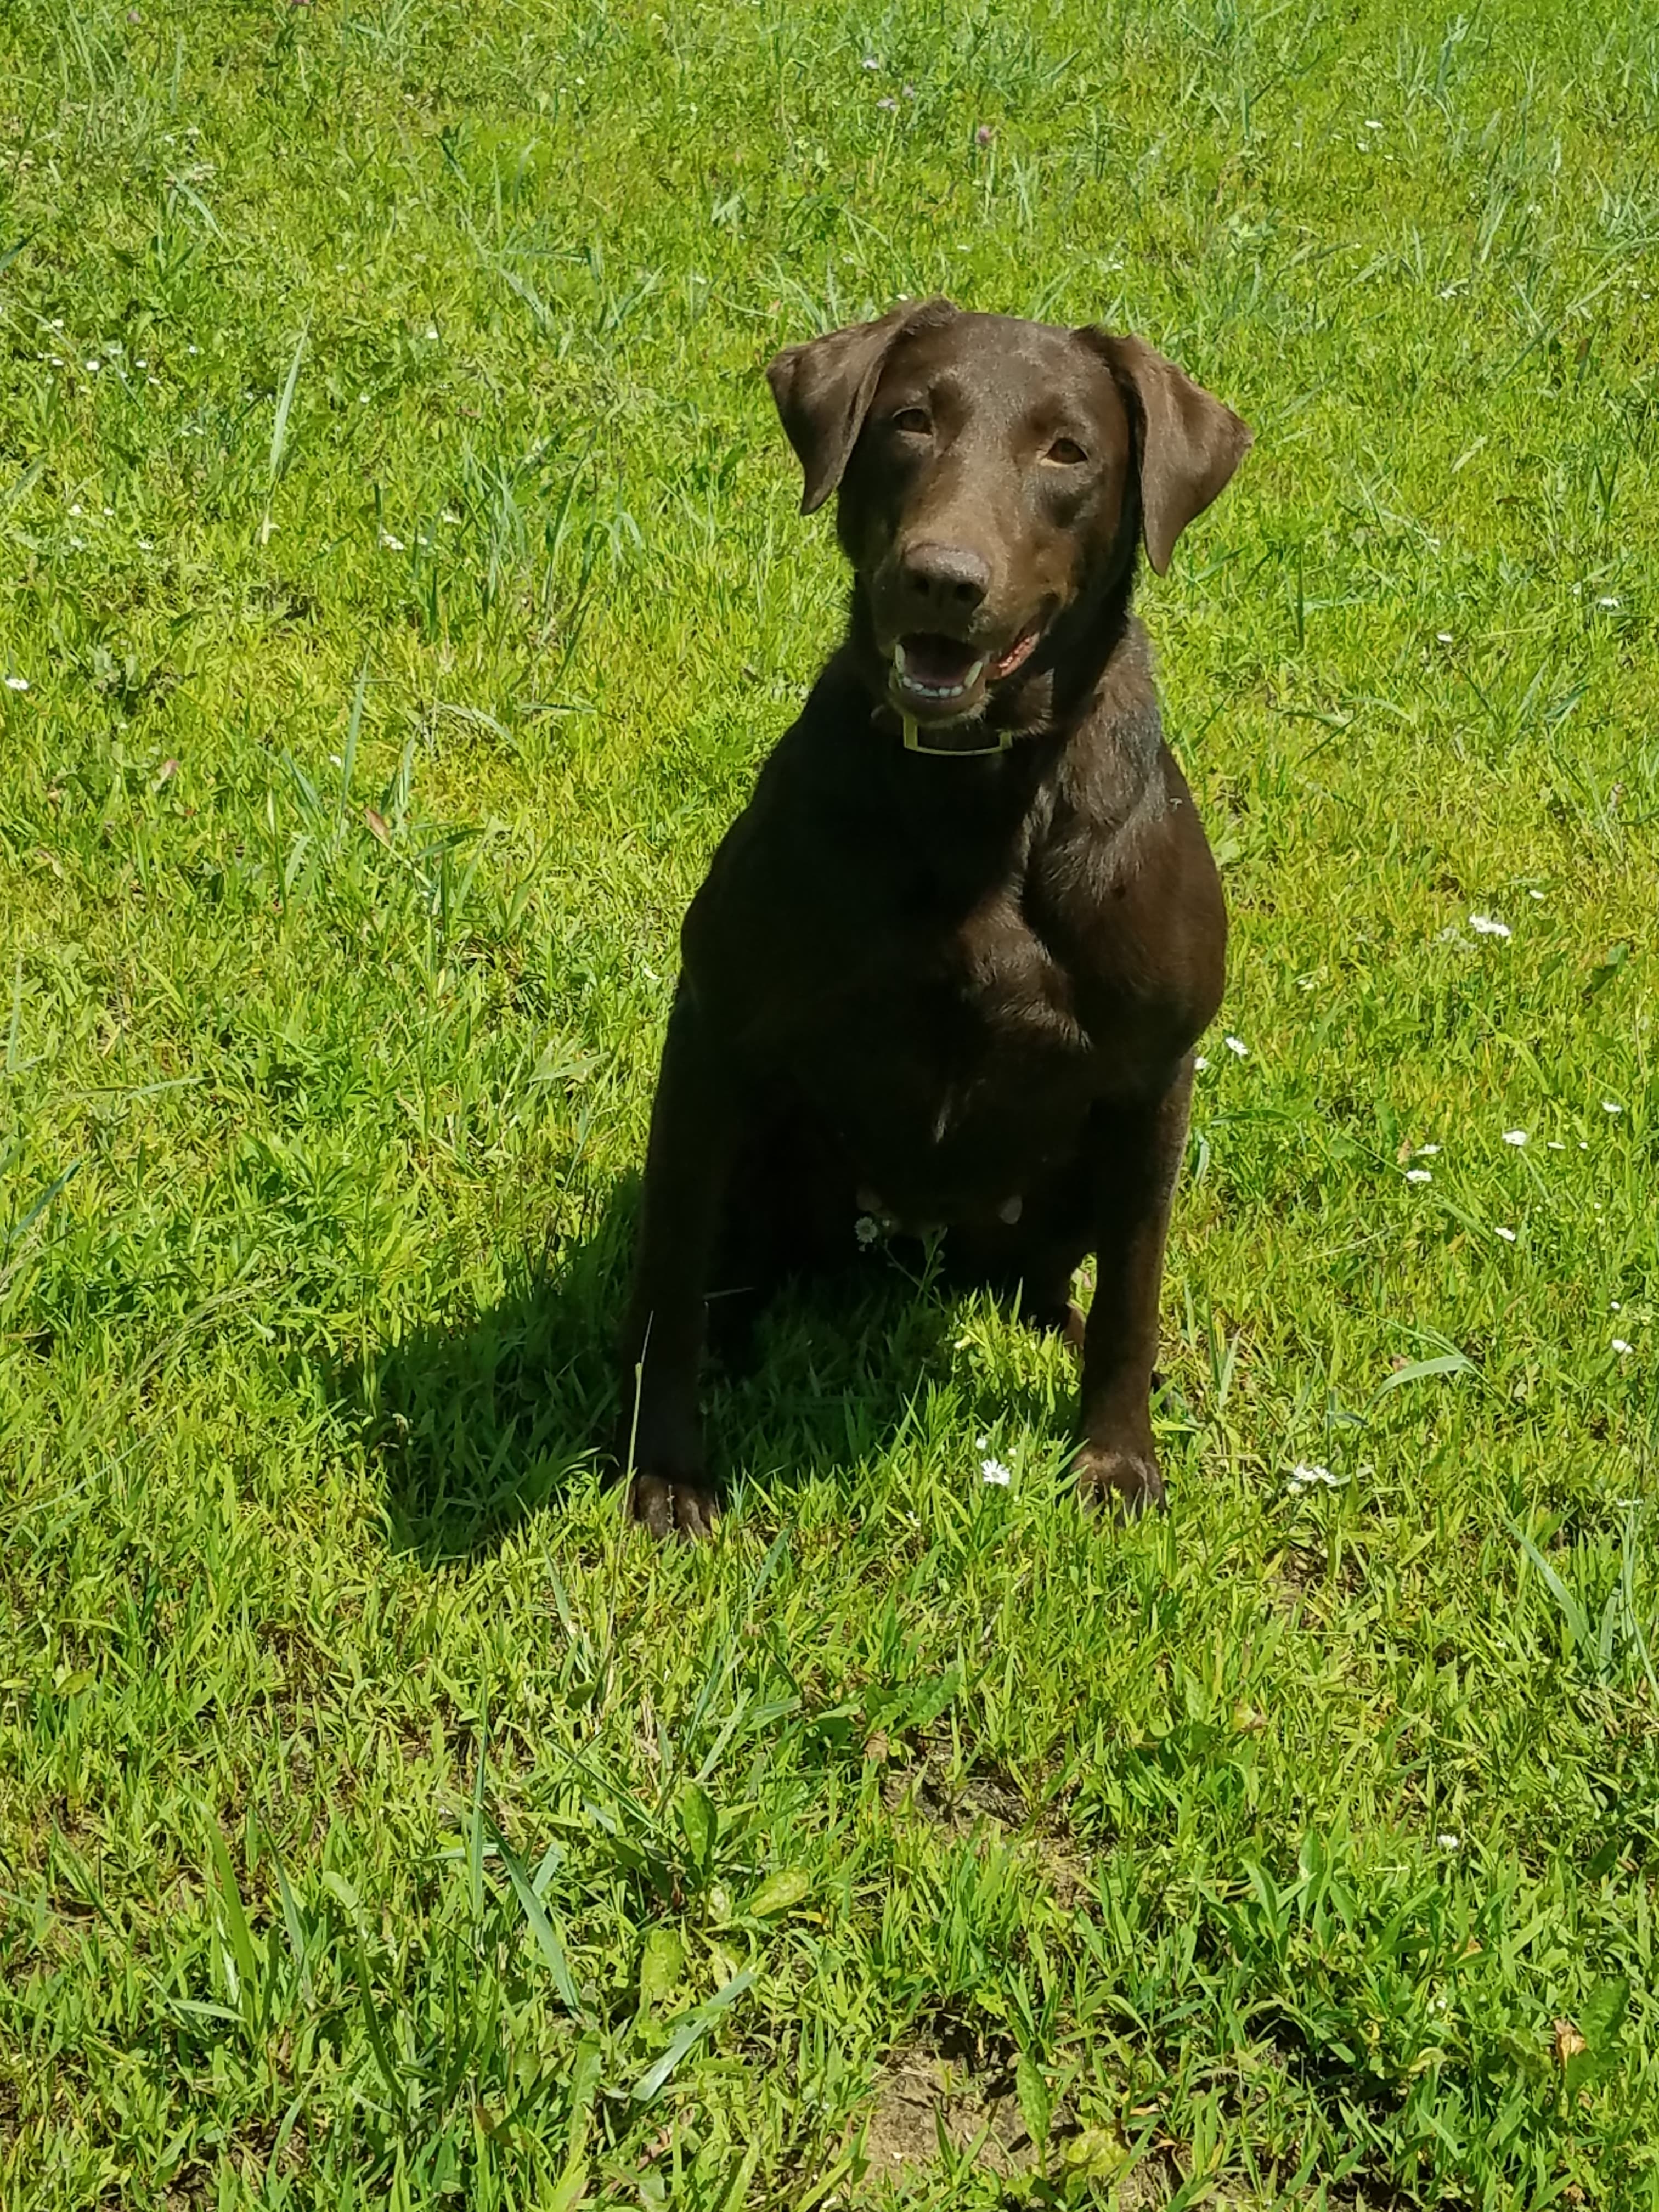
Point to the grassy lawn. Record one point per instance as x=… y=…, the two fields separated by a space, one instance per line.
x=399 y=583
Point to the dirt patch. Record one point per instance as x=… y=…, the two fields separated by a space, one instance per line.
x=1066 y=1868
x=1299 y=1581
x=924 y=1786
x=924 y=1783
x=946 y=2096
x=960 y=1808
x=941 y=2088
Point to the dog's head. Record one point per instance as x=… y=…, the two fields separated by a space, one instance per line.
x=993 y=475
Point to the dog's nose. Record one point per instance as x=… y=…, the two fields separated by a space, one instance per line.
x=952 y=578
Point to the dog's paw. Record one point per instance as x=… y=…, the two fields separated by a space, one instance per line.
x=1123 y=1483
x=673 y=1505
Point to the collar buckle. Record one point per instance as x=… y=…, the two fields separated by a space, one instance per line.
x=912 y=744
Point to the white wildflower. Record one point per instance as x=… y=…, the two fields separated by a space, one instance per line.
x=1443 y=637
x=391 y=545
x=1237 y=1045
x=1609 y=1106
x=993 y=1471
x=1426 y=1151
x=1200 y=1063
x=1487 y=925
x=1420 y=1175
x=1448 y=1842
x=1508 y=1235
x=866 y=1229
x=1515 y=1136
x=1607 y=600
x=17 y=683
x=1306 y=1477
x=1619 y=1345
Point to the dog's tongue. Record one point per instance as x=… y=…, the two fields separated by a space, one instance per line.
x=935 y=661
x=1019 y=650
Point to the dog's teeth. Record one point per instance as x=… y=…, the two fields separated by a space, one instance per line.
x=973 y=675
x=898 y=655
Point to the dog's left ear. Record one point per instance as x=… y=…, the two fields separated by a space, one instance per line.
x=1187 y=443
x=823 y=390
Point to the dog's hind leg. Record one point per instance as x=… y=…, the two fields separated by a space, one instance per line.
x=694 y=1126
x=788 y=1214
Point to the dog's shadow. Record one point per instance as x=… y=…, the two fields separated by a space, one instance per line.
x=478 y=1420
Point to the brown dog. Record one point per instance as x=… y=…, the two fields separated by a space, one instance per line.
x=950 y=963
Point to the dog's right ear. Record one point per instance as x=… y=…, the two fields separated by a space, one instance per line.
x=823 y=390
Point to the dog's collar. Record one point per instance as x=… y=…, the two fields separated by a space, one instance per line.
x=912 y=744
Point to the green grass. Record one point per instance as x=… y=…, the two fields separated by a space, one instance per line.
x=405 y=600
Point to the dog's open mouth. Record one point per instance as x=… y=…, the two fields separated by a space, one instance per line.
x=942 y=676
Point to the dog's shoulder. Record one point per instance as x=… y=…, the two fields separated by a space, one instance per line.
x=805 y=824
x=816 y=785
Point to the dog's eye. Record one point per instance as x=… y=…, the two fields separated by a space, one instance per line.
x=1067 y=452
x=916 y=421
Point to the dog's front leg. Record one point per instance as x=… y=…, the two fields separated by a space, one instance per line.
x=659 y=1434
x=1137 y=1148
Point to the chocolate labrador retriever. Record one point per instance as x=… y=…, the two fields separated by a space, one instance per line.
x=948 y=966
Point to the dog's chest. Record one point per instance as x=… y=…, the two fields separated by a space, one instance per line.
x=948 y=998
x=931 y=1035
x=1014 y=995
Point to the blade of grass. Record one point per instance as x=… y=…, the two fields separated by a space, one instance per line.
x=546 y=1935
x=691 y=2031
x=279 y=436
x=236 y=1927
x=1572 y=1612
